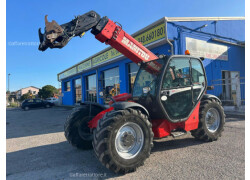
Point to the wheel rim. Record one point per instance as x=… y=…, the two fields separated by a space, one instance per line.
x=47 y=105
x=212 y=120
x=26 y=108
x=129 y=140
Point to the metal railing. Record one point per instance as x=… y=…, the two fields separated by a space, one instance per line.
x=231 y=91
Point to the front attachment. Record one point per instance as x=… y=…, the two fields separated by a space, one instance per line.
x=57 y=36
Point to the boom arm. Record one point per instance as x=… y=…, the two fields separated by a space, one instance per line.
x=104 y=29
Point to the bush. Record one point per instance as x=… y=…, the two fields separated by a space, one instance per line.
x=47 y=91
x=27 y=96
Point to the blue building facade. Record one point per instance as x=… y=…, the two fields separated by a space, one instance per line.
x=221 y=41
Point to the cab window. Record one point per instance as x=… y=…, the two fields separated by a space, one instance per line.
x=177 y=74
x=198 y=79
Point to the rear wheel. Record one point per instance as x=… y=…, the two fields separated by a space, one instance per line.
x=47 y=106
x=123 y=140
x=76 y=128
x=212 y=120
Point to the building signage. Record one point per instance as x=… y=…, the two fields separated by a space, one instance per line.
x=145 y=38
x=67 y=73
x=207 y=50
x=152 y=35
x=84 y=65
x=110 y=54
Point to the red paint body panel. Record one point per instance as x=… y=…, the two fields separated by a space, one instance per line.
x=94 y=121
x=163 y=128
x=116 y=37
x=121 y=97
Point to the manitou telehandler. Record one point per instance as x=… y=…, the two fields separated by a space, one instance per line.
x=169 y=98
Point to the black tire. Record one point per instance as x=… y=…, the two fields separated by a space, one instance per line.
x=203 y=133
x=105 y=135
x=76 y=128
x=47 y=106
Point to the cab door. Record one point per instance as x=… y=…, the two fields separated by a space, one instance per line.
x=176 y=91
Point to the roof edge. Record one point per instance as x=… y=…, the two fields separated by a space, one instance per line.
x=203 y=18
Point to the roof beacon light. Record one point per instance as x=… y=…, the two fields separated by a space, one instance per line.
x=187 y=52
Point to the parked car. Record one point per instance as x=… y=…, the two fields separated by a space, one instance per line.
x=52 y=100
x=35 y=103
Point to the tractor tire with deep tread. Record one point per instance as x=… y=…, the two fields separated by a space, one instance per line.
x=76 y=128
x=105 y=136
x=203 y=132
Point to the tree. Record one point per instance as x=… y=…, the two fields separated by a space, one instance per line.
x=28 y=95
x=47 y=91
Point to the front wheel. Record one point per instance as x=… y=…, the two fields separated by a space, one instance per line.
x=123 y=140
x=212 y=120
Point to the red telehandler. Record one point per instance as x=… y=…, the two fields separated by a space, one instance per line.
x=168 y=98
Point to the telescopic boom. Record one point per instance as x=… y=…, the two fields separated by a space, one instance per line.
x=104 y=29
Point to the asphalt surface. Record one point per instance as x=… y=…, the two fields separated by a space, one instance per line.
x=37 y=149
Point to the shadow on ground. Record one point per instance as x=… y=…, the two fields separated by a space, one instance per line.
x=50 y=161
x=170 y=144
x=63 y=160
x=21 y=123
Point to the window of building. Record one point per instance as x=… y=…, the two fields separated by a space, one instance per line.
x=67 y=86
x=91 y=88
x=132 y=71
x=78 y=90
x=111 y=84
x=34 y=92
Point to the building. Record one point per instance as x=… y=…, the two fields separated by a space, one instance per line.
x=31 y=89
x=220 y=40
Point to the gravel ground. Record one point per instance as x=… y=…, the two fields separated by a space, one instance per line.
x=37 y=149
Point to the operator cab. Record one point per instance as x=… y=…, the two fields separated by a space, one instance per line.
x=174 y=88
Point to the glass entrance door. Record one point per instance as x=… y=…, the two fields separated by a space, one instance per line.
x=111 y=84
x=78 y=90
x=132 y=71
x=91 y=88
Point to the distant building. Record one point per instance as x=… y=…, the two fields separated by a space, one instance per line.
x=31 y=89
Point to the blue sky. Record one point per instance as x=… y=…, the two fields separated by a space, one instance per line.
x=30 y=67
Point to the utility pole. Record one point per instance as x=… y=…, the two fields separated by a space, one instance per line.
x=9 y=82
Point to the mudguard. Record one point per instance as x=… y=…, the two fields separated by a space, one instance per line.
x=125 y=105
x=210 y=96
x=93 y=104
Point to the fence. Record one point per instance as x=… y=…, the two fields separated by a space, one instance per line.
x=231 y=91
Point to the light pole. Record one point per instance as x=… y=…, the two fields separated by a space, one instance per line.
x=9 y=82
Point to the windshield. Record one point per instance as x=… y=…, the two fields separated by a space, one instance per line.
x=147 y=77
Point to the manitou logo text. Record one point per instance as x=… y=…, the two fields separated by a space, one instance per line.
x=135 y=48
